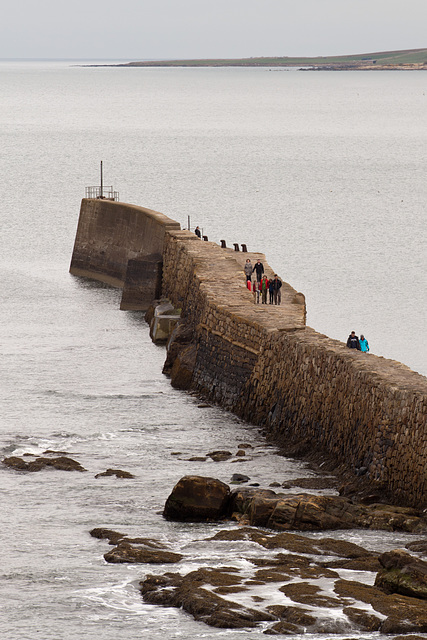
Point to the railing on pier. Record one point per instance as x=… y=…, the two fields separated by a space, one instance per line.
x=103 y=193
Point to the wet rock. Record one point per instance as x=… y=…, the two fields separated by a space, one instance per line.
x=16 y=463
x=295 y=615
x=125 y=552
x=418 y=546
x=283 y=629
x=107 y=534
x=183 y=367
x=115 y=472
x=196 y=498
x=369 y=563
x=307 y=593
x=239 y=477
x=241 y=452
x=204 y=605
x=409 y=636
x=306 y=512
x=403 y=614
x=219 y=456
x=197 y=459
x=402 y=573
x=62 y=463
x=312 y=483
x=362 y=619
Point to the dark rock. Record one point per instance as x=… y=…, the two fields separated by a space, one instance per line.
x=124 y=552
x=115 y=472
x=410 y=636
x=16 y=463
x=419 y=546
x=107 y=534
x=187 y=592
x=402 y=573
x=197 y=459
x=219 y=456
x=196 y=498
x=294 y=615
x=310 y=594
x=241 y=452
x=61 y=463
x=182 y=370
x=318 y=482
x=181 y=338
x=365 y=621
x=404 y=614
x=239 y=477
x=306 y=512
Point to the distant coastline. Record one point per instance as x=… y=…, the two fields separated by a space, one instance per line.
x=406 y=60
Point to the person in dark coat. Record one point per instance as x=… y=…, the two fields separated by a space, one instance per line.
x=259 y=268
x=198 y=232
x=277 y=285
x=271 y=291
x=353 y=341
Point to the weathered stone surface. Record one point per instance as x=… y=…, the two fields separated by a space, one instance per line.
x=196 y=498
x=419 y=546
x=108 y=534
x=301 y=512
x=306 y=512
x=403 y=614
x=126 y=553
x=61 y=463
x=402 y=573
x=187 y=592
x=182 y=370
x=115 y=472
x=362 y=619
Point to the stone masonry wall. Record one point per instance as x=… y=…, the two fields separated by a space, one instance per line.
x=264 y=364
x=261 y=361
x=109 y=234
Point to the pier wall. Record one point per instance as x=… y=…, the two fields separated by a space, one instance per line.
x=262 y=361
x=109 y=234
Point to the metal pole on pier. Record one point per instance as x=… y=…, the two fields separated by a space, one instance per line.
x=102 y=183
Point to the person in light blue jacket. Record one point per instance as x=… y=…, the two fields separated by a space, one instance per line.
x=364 y=346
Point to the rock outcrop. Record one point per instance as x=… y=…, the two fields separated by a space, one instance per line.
x=195 y=499
x=402 y=573
x=63 y=463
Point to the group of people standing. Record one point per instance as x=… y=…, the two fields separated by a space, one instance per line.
x=353 y=342
x=262 y=285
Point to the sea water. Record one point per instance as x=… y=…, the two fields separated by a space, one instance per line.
x=323 y=172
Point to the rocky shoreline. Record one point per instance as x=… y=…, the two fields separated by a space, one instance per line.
x=271 y=576
x=298 y=584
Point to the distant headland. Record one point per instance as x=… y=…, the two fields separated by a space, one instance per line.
x=410 y=59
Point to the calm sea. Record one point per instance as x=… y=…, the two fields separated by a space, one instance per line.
x=323 y=172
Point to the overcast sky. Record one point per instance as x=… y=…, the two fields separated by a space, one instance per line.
x=142 y=29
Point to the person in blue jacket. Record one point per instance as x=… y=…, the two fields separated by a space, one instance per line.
x=364 y=346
